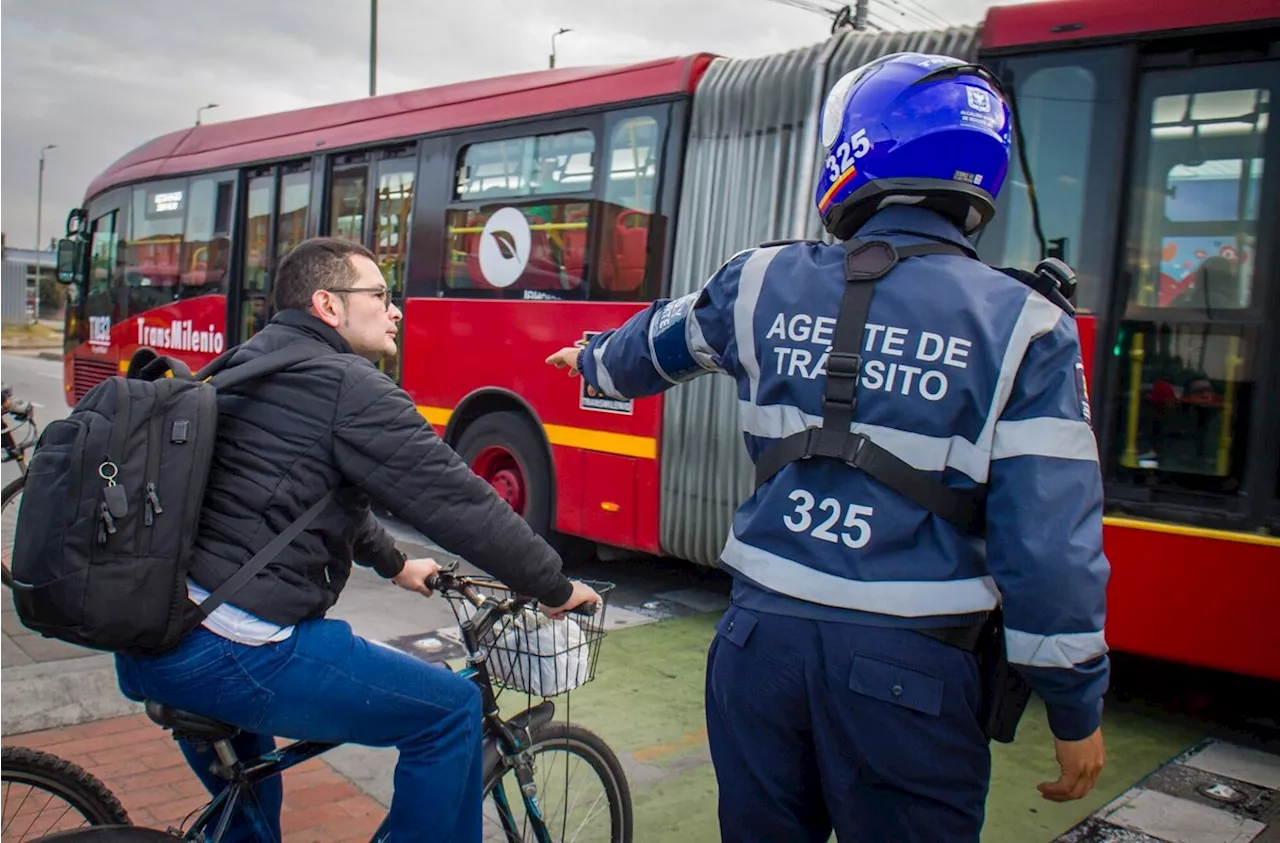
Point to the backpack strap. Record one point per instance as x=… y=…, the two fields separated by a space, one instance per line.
x=224 y=378
x=268 y=364
x=159 y=366
x=1052 y=279
x=260 y=559
x=216 y=365
x=866 y=263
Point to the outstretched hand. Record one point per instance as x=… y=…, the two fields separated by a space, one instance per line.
x=566 y=358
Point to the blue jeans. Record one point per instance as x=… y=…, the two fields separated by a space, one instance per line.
x=324 y=683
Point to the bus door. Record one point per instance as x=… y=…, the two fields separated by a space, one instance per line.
x=276 y=205
x=1194 y=402
x=101 y=309
x=370 y=201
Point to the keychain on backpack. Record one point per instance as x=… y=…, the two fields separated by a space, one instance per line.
x=115 y=501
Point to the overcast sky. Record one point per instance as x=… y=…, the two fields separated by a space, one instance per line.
x=100 y=77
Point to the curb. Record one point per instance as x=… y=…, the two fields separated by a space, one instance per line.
x=41 y=696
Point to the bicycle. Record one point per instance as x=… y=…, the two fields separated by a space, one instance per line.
x=502 y=652
x=23 y=415
x=13 y=449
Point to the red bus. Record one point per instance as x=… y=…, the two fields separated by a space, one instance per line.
x=511 y=215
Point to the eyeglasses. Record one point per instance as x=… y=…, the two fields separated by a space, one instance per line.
x=380 y=293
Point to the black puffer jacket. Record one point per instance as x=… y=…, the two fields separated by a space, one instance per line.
x=336 y=422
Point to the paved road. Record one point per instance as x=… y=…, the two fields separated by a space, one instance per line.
x=38 y=381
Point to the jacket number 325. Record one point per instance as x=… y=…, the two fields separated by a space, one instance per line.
x=801 y=520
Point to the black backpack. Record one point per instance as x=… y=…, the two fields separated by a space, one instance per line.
x=112 y=502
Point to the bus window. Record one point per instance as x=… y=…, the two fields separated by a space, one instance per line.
x=630 y=229
x=295 y=200
x=154 y=256
x=347 y=196
x=106 y=273
x=394 y=220
x=102 y=256
x=206 y=250
x=1188 y=345
x=1067 y=111
x=516 y=227
x=393 y=224
x=257 y=256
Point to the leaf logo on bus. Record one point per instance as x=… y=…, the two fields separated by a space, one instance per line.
x=504 y=248
x=506 y=244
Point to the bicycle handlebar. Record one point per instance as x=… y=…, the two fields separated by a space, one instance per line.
x=464 y=586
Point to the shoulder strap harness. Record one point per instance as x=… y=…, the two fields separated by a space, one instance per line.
x=865 y=263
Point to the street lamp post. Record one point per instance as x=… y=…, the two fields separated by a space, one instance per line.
x=562 y=31
x=373 y=48
x=39 y=215
x=204 y=108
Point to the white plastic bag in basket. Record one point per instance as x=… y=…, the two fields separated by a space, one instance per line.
x=541 y=656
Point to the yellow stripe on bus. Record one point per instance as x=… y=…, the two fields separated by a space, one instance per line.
x=644 y=447
x=1198 y=532
x=623 y=444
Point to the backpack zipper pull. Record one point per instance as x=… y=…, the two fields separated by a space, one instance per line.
x=153 y=505
x=107 y=526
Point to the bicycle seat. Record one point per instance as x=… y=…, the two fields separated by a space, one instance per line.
x=188 y=724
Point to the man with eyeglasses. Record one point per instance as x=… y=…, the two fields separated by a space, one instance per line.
x=268 y=660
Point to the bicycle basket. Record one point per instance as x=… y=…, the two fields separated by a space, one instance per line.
x=532 y=653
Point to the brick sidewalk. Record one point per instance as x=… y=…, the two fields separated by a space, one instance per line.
x=143 y=766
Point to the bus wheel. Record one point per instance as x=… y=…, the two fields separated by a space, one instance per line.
x=505 y=450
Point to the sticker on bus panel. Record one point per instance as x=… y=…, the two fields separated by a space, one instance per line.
x=504 y=247
x=599 y=403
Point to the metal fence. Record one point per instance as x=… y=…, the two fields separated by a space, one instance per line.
x=14 y=292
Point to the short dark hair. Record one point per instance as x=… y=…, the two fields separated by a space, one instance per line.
x=320 y=263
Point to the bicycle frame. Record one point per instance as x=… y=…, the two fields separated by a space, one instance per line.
x=502 y=744
x=15 y=415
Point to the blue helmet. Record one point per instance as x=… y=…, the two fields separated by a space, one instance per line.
x=913 y=129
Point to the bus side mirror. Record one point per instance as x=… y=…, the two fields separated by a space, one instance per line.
x=70 y=253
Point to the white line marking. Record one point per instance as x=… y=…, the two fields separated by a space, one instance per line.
x=1178 y=820
x=1237 y=762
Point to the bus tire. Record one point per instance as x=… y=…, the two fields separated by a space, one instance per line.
x=507 y=451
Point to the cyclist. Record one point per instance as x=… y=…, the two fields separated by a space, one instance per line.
x=268 y=660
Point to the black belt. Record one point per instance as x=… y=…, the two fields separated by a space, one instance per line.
x=965 y=637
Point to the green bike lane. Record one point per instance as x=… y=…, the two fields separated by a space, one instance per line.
x=647 y=703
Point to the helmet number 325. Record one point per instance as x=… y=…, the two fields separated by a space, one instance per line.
x=843 y=156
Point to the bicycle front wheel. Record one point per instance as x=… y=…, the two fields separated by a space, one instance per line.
x=582 y=792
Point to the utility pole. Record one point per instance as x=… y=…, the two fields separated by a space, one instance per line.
x=860 y=15
x=373 y=48
x=553 y=44
x=204 y=108
x=39 y=214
